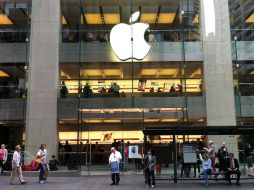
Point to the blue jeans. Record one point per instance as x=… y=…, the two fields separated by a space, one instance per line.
x=206 y=173
x=42 y=168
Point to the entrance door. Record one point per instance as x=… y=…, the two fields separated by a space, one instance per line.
x=104 y=128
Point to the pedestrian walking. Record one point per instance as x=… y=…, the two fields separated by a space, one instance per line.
x=3 y=157
x=16 y=166
x=41 y=159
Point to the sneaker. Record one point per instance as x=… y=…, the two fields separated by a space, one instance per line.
x=152 y=186
x=23 y=182
x=41 y=181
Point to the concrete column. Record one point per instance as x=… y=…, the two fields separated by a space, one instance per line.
x=218 y=76
x=43 y=77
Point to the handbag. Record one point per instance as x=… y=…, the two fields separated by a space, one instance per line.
x=37 y=161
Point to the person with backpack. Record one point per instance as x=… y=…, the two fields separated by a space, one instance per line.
x=53 y=163
x=3 y=157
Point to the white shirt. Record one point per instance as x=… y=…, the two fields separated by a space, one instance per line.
x=151 y=38
x=16 y=158
x=43 y=155
x=115 y=157
x=116 y=88
x=5 y=154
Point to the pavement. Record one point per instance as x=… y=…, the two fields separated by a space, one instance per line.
x=127 y=182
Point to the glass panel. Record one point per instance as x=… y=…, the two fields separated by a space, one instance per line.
x=14 y=50
x=162 y=89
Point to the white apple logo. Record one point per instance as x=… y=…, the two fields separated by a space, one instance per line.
x=127 y=41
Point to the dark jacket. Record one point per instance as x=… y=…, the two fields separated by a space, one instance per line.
x=235 y=163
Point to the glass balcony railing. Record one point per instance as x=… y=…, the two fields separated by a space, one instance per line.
x=242 y=34
x=14 y=36
x=103 y=36
x=125 y=90
x=12 y=92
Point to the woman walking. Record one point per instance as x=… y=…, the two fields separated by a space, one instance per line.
x=43 y=166
x=16 y=166
x=248 y=157
x=3 y=157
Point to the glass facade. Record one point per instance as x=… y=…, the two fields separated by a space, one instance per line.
x=114 y=97
x=102 y=99
x=242 y=36
x=14 y=38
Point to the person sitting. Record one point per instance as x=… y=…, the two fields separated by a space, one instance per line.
x=111 y=89
x=53 y=163
x=103 y=90
x=232 y=168
x=151 y=90
x=90 y=36
x=159 y=89
x=123 y=95
x=206 y=165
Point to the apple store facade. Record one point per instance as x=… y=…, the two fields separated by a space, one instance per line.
x=81 y=74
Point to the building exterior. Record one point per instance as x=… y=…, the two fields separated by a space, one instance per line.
x=62 y=84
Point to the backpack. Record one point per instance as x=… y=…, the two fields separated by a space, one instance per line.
x=1 y=154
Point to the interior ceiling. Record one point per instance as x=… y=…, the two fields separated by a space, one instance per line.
x=123 y=8
x=13 y=72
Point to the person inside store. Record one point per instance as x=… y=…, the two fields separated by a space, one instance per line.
x=102 y=90
x=89 y=36
x=172 y=89
x=151 y=90
x=123 y=95
x=116 y=89
x=111 y=90
x=232 y=168
x=86 y=90
x=180 y=89
x=64 y=90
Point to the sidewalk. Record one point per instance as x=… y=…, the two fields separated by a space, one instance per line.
x=132 y=182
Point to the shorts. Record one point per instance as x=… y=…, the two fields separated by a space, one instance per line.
x=249 y=161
